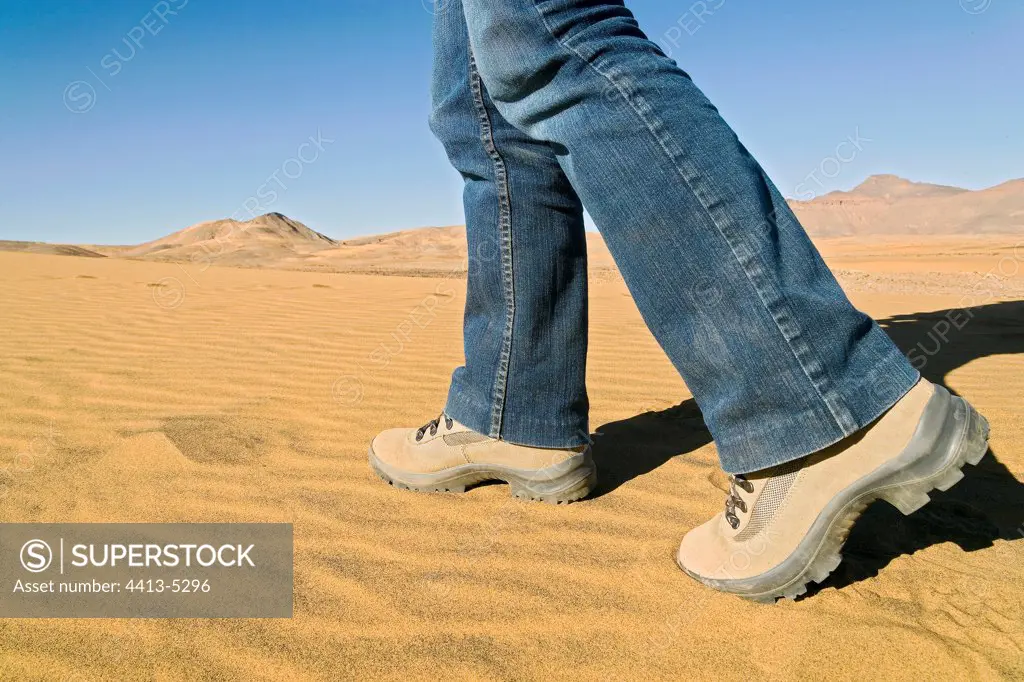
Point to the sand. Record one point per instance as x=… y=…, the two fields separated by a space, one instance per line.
x=146 y=391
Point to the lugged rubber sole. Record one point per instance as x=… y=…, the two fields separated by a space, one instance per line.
x=951 y=434
x=565 y=482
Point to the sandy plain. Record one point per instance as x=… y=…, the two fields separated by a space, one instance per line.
x=135 y=391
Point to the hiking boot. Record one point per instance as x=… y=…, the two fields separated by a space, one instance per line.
x=784 y=527
x=445 y=456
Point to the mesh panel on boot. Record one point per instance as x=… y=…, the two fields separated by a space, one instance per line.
x=462 y=438
x=772 y=497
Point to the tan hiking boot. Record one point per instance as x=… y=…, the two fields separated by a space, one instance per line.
x=784 y=527
x=445 y=456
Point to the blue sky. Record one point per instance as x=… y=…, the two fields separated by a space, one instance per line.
x=108 y=141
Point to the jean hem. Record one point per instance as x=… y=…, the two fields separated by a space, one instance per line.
x=741 y=458
x=529 y=433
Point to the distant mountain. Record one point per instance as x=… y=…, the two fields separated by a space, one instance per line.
x=267 y=239
x=51 y=249
x=890 y=205
x=882 y=205
x=894 y=187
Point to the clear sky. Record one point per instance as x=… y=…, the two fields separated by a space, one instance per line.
x=111 y=134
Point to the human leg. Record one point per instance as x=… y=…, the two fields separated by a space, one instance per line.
x=778 y=359
x=812 y=407
x=517 y=409
x=525 y=330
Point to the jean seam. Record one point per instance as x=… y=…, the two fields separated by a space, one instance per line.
x=840 y=414
x=498 y=392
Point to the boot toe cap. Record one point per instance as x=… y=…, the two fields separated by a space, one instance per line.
x=701 y=553
x=391 y=447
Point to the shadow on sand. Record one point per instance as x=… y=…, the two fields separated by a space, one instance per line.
x=987 y=505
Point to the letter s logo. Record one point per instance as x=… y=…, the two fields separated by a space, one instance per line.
x=36 y=556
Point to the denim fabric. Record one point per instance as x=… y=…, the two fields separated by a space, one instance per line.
x=526 y=305
x=779 y=361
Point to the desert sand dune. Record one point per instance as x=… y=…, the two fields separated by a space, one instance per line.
x=135 y=390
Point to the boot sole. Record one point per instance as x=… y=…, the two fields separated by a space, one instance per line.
x=566 y=482
x=950 y=435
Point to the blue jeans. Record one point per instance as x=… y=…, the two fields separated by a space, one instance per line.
x=546 y=106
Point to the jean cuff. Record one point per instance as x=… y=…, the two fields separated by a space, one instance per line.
x=815 y=429
x=537 y=434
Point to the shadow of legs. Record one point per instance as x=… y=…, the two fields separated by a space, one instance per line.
x=633 y=447
x=987 y=505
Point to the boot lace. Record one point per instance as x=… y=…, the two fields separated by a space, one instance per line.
x=432 y=426
x=735 y=501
